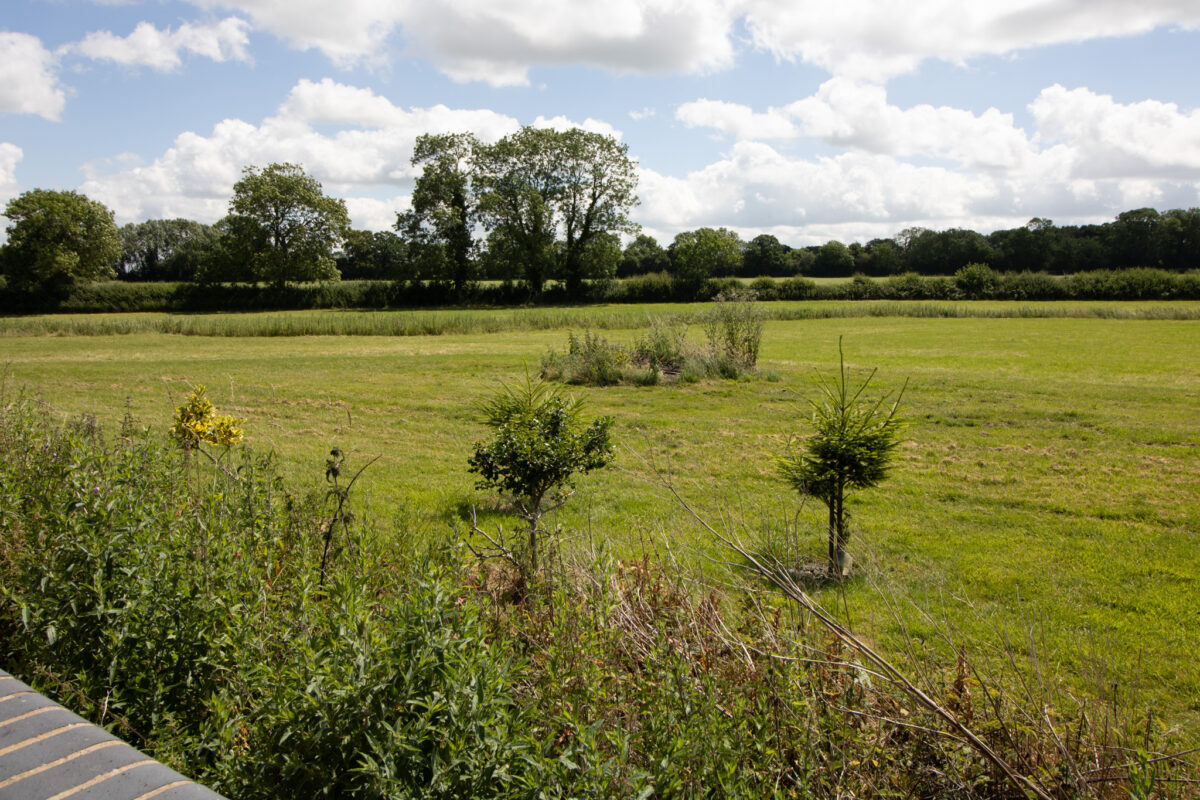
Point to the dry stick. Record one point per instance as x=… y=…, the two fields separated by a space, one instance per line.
x=895 y=675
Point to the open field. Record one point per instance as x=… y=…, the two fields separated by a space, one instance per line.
x=1050 y=477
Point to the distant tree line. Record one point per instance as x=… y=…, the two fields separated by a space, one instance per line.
x=535 y=207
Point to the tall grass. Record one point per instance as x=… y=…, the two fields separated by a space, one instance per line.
x=441 y=322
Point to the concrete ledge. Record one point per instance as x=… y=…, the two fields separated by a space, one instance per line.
x=49 y=753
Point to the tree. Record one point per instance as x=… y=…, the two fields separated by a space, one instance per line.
x=55 y=239
x=443 y=209
x=374 y=255
x=539 y=182
x=540 y=444
x=643 y=255
x=851 y=446
x=833 y=259
x=703 y=253
x=162 y=249
x=766 y=255
x=291 y=227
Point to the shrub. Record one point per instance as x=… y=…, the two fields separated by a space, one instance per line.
x=734 y=331
x=590 y=360
x=539 y=445
x=976 y=281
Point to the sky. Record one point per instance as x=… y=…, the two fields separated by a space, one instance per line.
x=810 y=121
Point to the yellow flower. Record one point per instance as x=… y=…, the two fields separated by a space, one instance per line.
x=196 y=422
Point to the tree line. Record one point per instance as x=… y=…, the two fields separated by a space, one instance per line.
x=536 y=206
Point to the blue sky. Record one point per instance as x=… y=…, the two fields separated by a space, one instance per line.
x=807 y=120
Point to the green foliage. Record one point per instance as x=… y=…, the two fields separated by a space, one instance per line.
x=291 y=227
x=538 y=181
x=852 y=444
x=589 y=360
x=443 y=208
x=164 y=249
x=976 y=281
x=184 y=609
x=539 y=445
x=56 y=239
x=702 y=254
x=734 y=331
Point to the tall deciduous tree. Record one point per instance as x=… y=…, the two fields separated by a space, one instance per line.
x=539 y=183
x=293 y=226
x=162 y=249
x=443 y=209
x=57 y=238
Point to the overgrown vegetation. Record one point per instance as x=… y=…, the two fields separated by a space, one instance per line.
x=733 y=328
x=185 y=608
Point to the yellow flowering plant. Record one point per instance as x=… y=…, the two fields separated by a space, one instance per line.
x=196 y=423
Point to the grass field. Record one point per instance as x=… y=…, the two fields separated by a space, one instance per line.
x=1049 y=485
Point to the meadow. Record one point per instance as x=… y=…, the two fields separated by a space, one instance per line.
x=1047 y=493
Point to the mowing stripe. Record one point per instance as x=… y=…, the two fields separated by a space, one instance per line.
x=29 y=773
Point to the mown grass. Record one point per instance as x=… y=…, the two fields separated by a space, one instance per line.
x=1047 y=488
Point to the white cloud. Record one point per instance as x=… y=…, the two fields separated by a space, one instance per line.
x=639 y=115
x=1110 y=140
x=147 y=46
x=859 y=195
x=870 y=40
x=561 y=123
x=194 y=178
x=10 y=156
x=28 y=84
x=736 y=120
x=850 y=114
x=497 y=41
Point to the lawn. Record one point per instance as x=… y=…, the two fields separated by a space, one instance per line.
x=1048 y=487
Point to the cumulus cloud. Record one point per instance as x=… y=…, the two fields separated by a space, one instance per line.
x=736 y=120
x=850 y=114
x=147 y=46
x=498 y=41
x=28 y=83
x=869 y=40
x=561 y=123
x=1114 y=140
x=372 y=148
x=10 y=156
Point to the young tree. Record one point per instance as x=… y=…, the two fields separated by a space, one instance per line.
x=293 y=227
x=851 y=447
x=55 y=239
x=540 y=444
